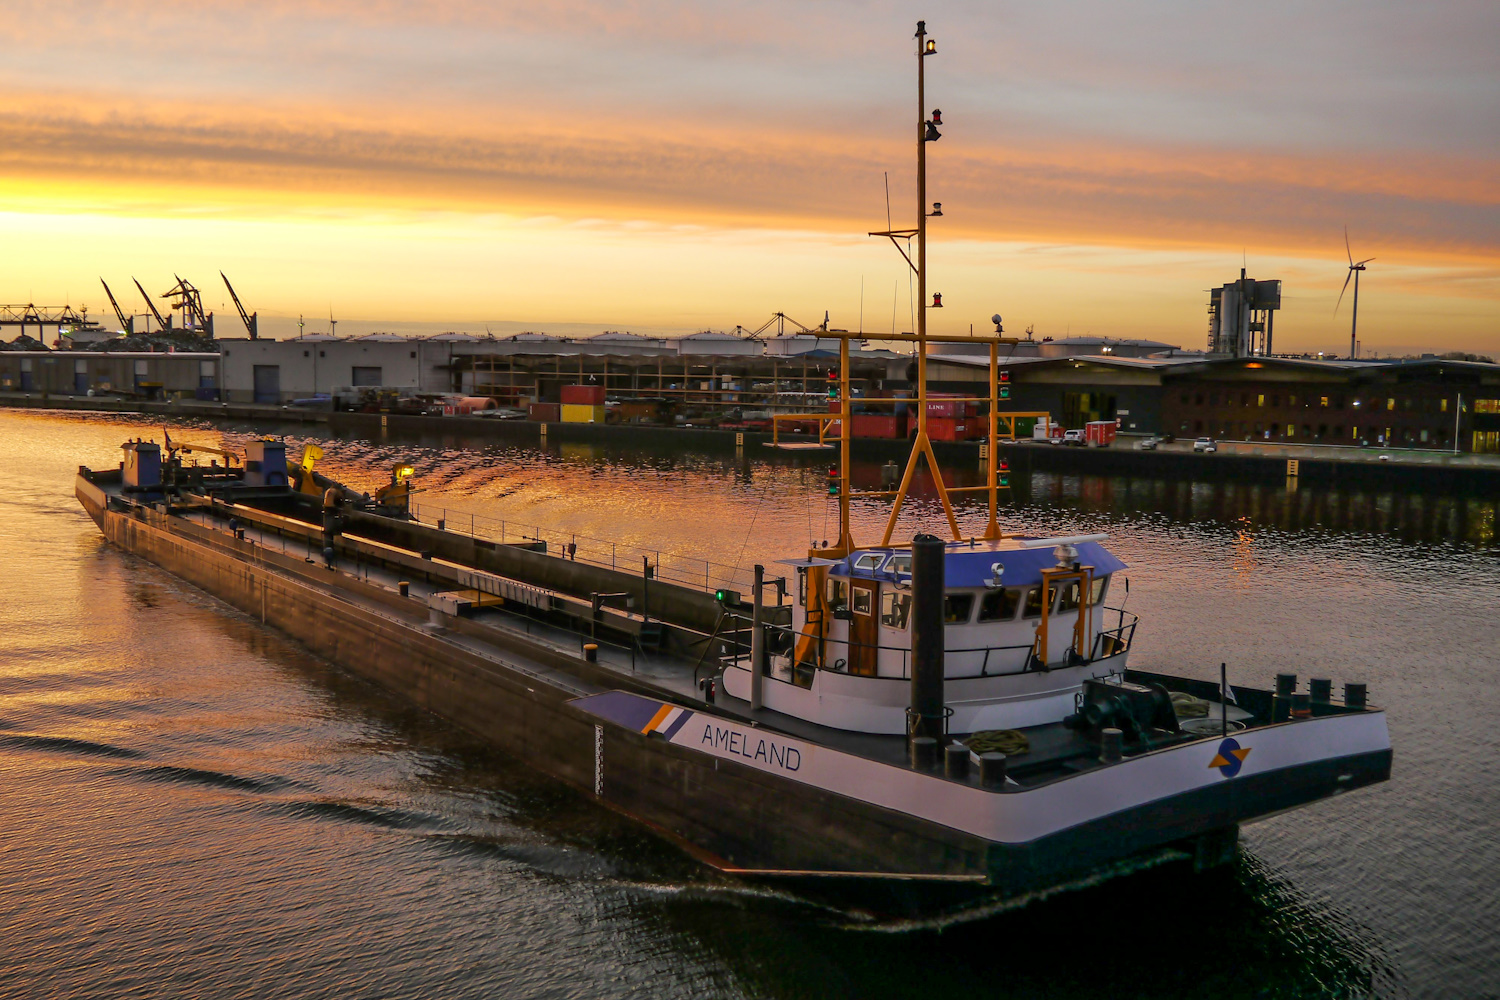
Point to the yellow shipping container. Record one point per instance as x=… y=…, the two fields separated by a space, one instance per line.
x=577 y=413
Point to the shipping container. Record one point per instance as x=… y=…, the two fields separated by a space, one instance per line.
x=583 y=395
x=878 y=425
x=575 y=414
x=1100 y=433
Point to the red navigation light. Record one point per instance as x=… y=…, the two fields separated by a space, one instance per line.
x=937 y=116
x=1004 y=376
x=937 y=300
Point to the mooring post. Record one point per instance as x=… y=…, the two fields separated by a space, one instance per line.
x=926 y=715
x=757 y=641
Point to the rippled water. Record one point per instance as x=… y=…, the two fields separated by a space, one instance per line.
x=191 y=805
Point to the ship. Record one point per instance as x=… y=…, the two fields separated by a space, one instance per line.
x=925 y=722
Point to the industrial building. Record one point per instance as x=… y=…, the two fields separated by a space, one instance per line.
x=1429 y=403
x=81 y=373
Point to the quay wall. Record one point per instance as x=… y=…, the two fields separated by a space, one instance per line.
x=1332 y=467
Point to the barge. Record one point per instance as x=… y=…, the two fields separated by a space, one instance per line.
x=922 y=722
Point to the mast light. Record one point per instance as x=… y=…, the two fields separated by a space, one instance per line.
x=930 y=48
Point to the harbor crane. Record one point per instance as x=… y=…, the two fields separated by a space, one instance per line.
x=250 y=320
x=187 y=298
x=164 y=324
x=127 y=323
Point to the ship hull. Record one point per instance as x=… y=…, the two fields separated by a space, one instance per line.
x=918 y=836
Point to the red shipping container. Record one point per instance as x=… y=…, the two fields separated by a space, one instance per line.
x=583 y=395
x=875 y=425
x=547 y=413
x=1100 y=433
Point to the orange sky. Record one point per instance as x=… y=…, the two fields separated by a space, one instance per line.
x=658 y=166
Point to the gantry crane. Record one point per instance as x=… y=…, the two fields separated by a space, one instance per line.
x=185 y=297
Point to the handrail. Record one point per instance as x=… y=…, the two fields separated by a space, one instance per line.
x=667 y=566
x=1124 y=634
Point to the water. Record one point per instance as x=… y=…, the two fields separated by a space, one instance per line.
x=192 y=806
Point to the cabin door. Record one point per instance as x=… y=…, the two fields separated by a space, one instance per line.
x=864 y=636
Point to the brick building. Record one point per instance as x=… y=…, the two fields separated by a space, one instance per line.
x=1418 y=404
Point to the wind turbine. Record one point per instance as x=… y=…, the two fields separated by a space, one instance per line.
x=1354 y=269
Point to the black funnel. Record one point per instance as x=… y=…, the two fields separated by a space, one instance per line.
x=926 y=716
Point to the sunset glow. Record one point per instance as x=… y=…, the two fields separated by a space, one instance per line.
x=669 y=167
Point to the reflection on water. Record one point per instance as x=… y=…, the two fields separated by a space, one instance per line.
x=194 y=806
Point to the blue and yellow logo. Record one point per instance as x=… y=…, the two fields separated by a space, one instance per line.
x=1230 y=758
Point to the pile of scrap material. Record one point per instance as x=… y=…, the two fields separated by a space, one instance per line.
x=24 y=343
x=161 y=341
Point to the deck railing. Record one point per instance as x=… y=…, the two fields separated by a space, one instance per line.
x=667 y=566
x=1106 y=643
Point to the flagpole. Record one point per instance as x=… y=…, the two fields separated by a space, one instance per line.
x=1224 y=696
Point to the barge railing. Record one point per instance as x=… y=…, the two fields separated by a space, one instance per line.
x=670 y=567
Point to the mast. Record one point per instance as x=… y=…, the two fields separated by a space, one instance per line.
x=922 y=445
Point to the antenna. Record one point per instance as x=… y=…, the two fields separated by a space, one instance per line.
x=887 y=199
x=1354 y=268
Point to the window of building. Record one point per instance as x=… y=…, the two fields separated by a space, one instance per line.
x=1213 y=399
x=1322 y=430
x=1323 y=401
x=1197 y=426
x=1183 y=428
x=1354 y=433
x=1424 y=435
x=1276 y=399
x=1443 y=405
x=1244 y=399
x=1274 y=430
x=1485 y=405
x=1338 y=402
x=1291 y=430
x=895 y=608
x=413 y=353
x=1198 y=399
x=1033 y=605
x=999 y=605
x=1486 y=442
x=367 y=375
x=1260 y=400
x=1307 y=430
x=1291 y=400
x=957 y=608
x=1390 y=404
x=1338 y=430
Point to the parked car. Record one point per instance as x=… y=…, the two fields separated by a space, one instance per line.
x=1149 y=444
x=1074 y=437
x=1206 y=445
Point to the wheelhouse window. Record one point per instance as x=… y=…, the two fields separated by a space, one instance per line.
x=999 y=605
x=838 y=592
x=900 y=564
x=869 y=560
x=801 y=587
x=1097 y=595
x=895 y=608
x=1068 y=599
x=1032 y=608
x=862 y=598
x=957 y=608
